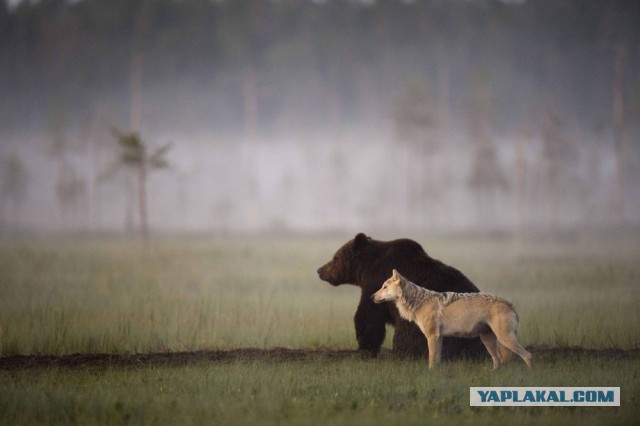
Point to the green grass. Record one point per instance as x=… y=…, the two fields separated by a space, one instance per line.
x=109 y=296
x=317 y=391
x=113 y=297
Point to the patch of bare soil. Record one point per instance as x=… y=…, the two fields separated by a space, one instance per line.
x=170 y=358
x=251 y=354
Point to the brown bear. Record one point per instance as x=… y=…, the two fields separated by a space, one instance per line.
x=367 y=263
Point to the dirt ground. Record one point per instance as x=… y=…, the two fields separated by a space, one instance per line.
x=252 y=354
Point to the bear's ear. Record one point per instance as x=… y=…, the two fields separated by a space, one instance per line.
x=360 y=241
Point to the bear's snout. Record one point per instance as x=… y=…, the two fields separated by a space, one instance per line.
x=322 y=273
x=325 y=272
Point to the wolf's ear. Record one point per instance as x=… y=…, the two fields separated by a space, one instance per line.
x=394 y=274
x=360 y=241
x=402 y=280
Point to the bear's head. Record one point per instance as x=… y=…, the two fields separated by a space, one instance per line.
x=344 y=266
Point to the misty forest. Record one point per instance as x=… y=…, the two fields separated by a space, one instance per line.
x=481 y=116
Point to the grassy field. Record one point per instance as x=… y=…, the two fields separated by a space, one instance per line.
x=109 y=296
x=317 y=391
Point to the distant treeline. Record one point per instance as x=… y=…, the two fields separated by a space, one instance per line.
x=258 y=66
x=472 y=115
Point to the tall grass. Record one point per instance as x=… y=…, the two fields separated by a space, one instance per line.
x=190 y=294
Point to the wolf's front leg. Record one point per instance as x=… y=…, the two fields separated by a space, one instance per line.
x=435 y=348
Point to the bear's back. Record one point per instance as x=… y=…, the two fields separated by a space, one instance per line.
x=412 y=261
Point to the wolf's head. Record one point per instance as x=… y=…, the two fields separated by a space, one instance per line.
x=391 y=289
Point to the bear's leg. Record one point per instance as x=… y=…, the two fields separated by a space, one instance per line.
x=462 y=347
x=409 y=341
x=370 y=327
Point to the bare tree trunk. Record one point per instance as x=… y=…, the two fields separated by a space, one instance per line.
x=334 y=102
x=3 y=219
x=408 y=181
x=129 y=204
x=618 y=130
x=15 y=212
x=445 y=130
x=250 y=101
x=142 y=200
x=140 y=33
x=96 y=127
x=135 y=112
x=135 y=119
x=430 y=193
x=553 y=199
x=519 y=184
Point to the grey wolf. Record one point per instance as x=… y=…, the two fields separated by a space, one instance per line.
x=455 y=314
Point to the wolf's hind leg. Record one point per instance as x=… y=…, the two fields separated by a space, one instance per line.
x=491 y=343
x=510 y=341
x=504 y=352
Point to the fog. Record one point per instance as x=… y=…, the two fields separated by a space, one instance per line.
x=481 y=117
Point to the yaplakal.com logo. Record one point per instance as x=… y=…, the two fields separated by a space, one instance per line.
x=544 y=396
